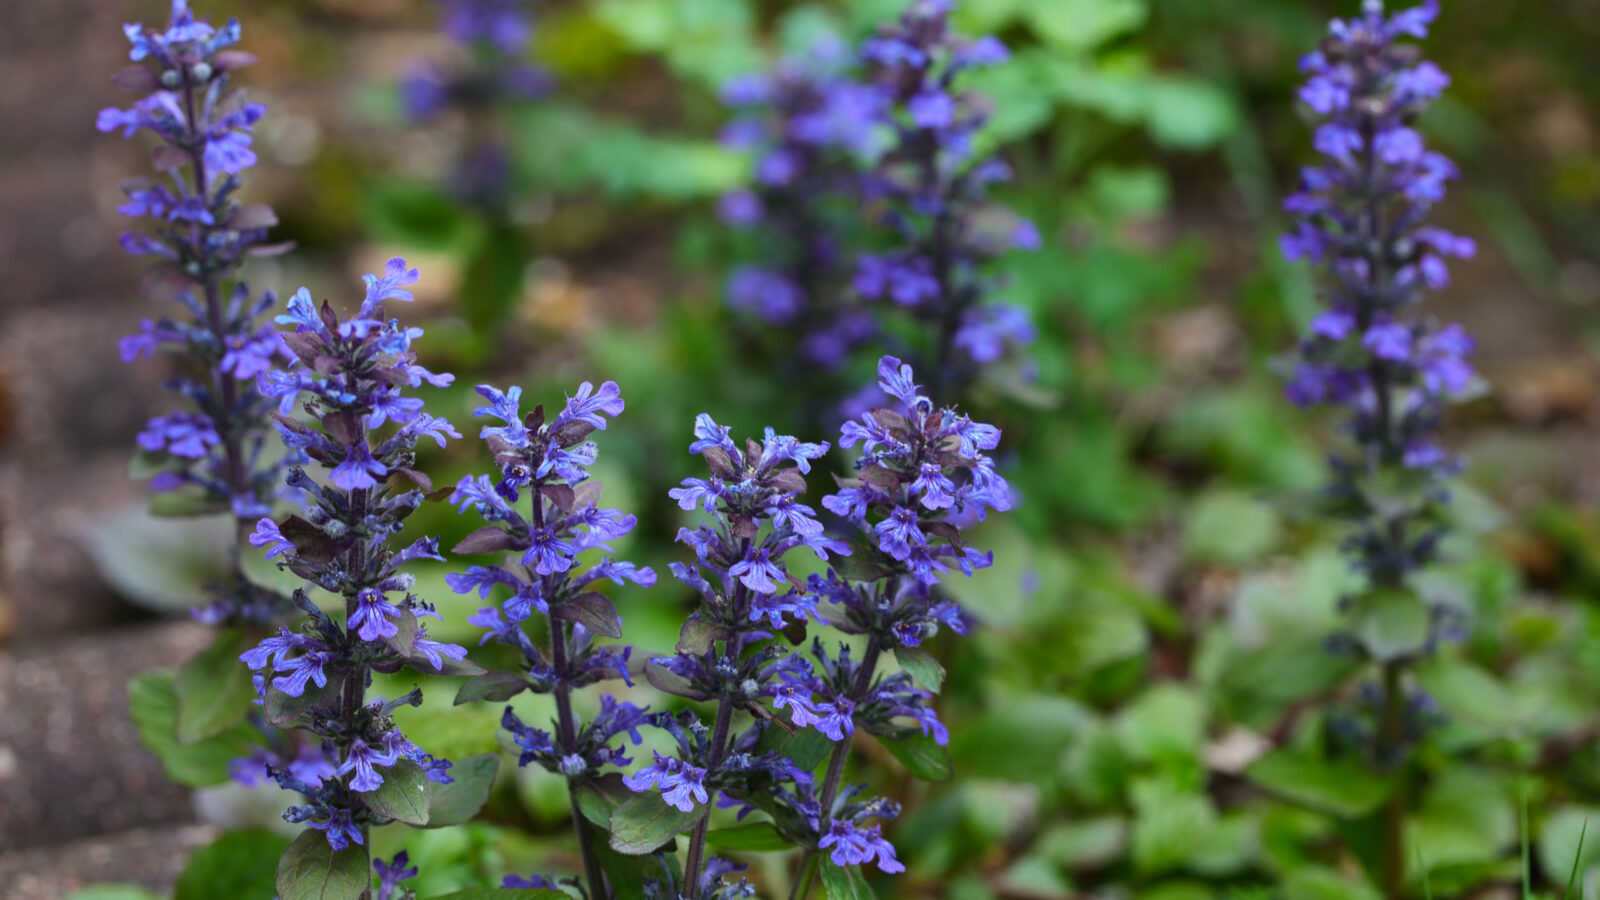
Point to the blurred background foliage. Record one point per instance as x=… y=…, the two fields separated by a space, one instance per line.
x=1141 y=713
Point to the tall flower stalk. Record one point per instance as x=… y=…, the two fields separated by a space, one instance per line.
x=212 y=455
x=922 y=474
x=355 y=768
x=549 y=460
x=726 y=655
x=930 y=190
x=810 y=124
x=1361 y=215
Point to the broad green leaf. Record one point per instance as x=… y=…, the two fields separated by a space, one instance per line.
x=921 y=756
x=413 y=214
x=1467 y=819
x=598 y=799
x=1188 y=114
x=153 y=706
x=1084 y=844
x=646 y=822
x=1469 y=693
x=403 y=796
x=760 y=837
x=1076 y=26
x=492 y=276
x=237 y=864
x=1317 y=883
x=214 y=689
x=1560 y=835
x=1391 y=624
x=1166 y=722
x=845 y=882
x=312 y=870
x=460 y=800
x=494 y=686
x=805 y=747
x=1340 y=788
x=922 y=666
x=158 y=565
x=1169 y=824
x=1227 y=527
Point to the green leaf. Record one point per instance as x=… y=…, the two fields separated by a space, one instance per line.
x=312 y=870
x=153 y=706
x=1187 y=113
x=493 y=686
x=761 y=837
x=805 y=747
x=1339 y=788
x=1391 y=624
x=460 y=800
x=845 y=882
x=1227 y=527
x=1317 y=883
x=1165 y=723
x=237 y=864
x=1564 y=845
x=112 y=892
x=646 y=822
x=1076 y=26
x=413 y=214
x=1465 y=692
x=599 y=798
x=921 y=756
x=403 y=796
x=922 y=666
x=214 y=689
x=492 y=276
x=287 y=712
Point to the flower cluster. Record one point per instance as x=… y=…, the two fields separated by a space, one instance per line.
x=1361 y=214
x=494 y=34
x=210 y=456
x=809 y=125
x=348 y=374
x=931 y=190
x=549 y=461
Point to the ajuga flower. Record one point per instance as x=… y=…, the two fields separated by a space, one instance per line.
x=211 y=456
x=493 y=36
x=930 y=189
x=1361 y=215
x=548 y=461
x=809 y=125
x=349 y=375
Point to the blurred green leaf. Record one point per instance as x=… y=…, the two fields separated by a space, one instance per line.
x=413 y=214
x=1390 y=624
x=1165 y=723
x=1168 y=824
x=1229 y=528
x=1339 y=788
x=1086 y=843
x=1188 y=114
x=237 y=864
x=153 y=706
x=1075 y=26
x=760 y=837
x=1317 y=883
x=1560 y=834
x=214 y=689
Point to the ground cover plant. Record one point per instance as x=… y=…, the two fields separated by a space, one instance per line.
x=995 y=571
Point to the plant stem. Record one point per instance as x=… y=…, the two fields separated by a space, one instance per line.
x=830 y=782
x=697 y=840
x=226 y=385
x=353 y=697
x=1389 y=738
x=567 y=738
